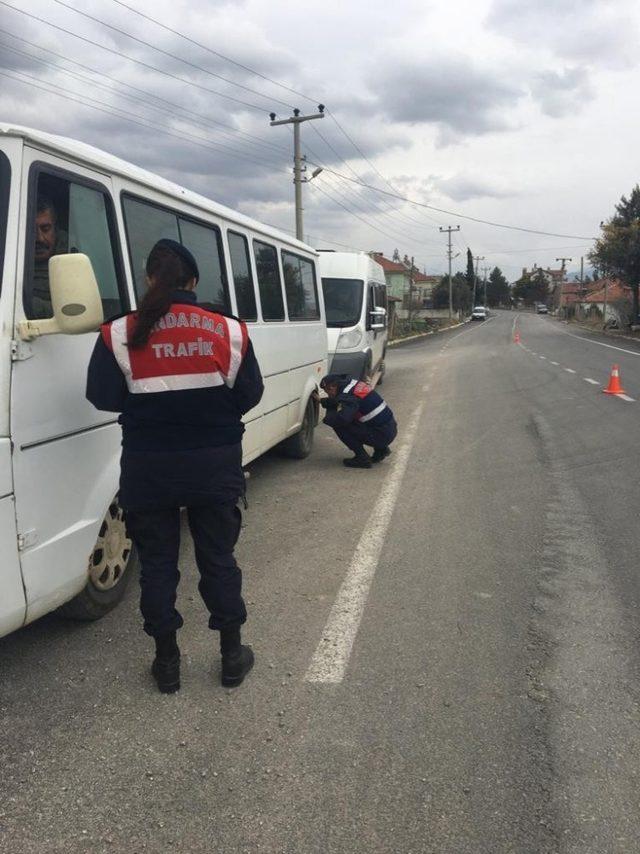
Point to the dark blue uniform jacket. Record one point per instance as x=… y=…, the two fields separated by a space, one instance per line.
x=357 y=402
x=180 y=446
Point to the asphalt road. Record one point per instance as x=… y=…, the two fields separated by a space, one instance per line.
x=487 y=699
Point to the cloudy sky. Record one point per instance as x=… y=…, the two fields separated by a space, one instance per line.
x=518 y=112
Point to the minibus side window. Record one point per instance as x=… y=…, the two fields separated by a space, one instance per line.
x=146 y=223
x=269 y=281
x=5 y=179
x=71 y=217
x=242 y=277
x=300 y=287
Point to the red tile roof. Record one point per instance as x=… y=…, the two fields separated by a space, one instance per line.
x=387 y=265
x=616 y=290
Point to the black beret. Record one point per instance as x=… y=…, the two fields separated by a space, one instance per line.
x=182 y=252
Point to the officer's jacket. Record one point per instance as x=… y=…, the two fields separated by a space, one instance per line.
x=187 y=387
x=359 y=402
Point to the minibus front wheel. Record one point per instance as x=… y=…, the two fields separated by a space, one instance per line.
x=110 y=568
x=299 y=445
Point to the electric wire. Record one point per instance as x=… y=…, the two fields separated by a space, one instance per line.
x=135 y=119
x=139 y=62
x=210 y=50
x=195 y=118
x=167 y=53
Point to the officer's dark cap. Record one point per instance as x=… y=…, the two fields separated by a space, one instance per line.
x=182 y=252
x=340 y=380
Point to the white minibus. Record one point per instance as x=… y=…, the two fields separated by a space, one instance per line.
x=63 y=539
x=355 y=300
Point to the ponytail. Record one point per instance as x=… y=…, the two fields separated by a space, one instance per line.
x=168 y=272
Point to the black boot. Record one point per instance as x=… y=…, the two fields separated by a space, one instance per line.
x=359 y=461
x=166 y=665
x=237 y=660
x=380 y=454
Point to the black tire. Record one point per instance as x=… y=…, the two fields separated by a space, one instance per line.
x=299 y=446
x=111 y=565
x=368 y=367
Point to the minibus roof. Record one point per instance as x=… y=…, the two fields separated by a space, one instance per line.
x=350 y=265
x=112 y=165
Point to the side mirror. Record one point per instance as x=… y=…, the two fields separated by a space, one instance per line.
x=75 y=299
x=378 y=318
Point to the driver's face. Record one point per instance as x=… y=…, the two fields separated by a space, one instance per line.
x=45 y=235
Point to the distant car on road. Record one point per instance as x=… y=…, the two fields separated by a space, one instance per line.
x=479 y=313
x=541 y=308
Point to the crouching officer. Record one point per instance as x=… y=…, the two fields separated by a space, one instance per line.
x=181 y=377
x=359 y=416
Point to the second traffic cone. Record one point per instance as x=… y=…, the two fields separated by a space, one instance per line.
x=614 y=386
x=516 y=337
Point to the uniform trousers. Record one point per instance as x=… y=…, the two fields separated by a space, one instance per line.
x=215 y=529
x=356 y=434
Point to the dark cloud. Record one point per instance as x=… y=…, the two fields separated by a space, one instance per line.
x=564 y=92
x=461 y=98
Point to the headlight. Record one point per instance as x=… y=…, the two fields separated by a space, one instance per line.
x=350 y=339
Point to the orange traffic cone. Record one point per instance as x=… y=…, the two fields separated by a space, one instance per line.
x=516 y=337
x=614 y=386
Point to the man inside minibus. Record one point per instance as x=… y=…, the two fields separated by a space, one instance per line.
x=50 y=240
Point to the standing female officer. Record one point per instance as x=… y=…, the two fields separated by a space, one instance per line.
x=182 y=377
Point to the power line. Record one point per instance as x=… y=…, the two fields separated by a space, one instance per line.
x=139 y=62
x=166 y=52
x=456 y=213
x=198 y=119
x=214 y=52
x=130 y=117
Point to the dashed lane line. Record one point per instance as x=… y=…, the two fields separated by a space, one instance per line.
x=570 y=370
x=542 y=357
x=626 y=397
x=589 y=380
x=555 y=363
x=331 y=658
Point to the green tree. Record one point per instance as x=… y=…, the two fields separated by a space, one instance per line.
x=617 y=251
x=471 y=273
x=460 y=293
x=532 y=287
x=498 y=291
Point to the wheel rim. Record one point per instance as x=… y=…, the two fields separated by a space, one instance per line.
x=110 y=556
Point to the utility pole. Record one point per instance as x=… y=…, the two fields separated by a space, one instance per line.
x=448 y=230
x=563 y=260
x=296 y=120
x=411 y=292
x=484 y=270
x=477 y=259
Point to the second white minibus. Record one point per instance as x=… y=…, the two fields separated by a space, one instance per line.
x=355 y=298
x=63 y=539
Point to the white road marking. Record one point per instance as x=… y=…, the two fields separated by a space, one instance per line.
x=589 y=380
x=532 y=353
x=625 y=397
x=555 y=363
x=602 y=344
x=542 y=357
x=570 y=370
x=331 y=657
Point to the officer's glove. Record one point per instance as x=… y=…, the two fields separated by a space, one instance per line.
x=329 y=403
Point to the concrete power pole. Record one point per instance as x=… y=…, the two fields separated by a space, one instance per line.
x=448 y=230
x=484 y=270
x=477 y=259
x=296 y=120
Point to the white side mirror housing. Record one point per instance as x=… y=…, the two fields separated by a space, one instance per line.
x=75 y=299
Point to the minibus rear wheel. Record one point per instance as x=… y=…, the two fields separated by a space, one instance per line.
x=299 y=446
x=110 y=568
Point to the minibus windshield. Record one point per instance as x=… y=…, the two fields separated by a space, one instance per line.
x=342 y=301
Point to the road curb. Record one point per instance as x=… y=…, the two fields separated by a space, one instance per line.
x=399 y=341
